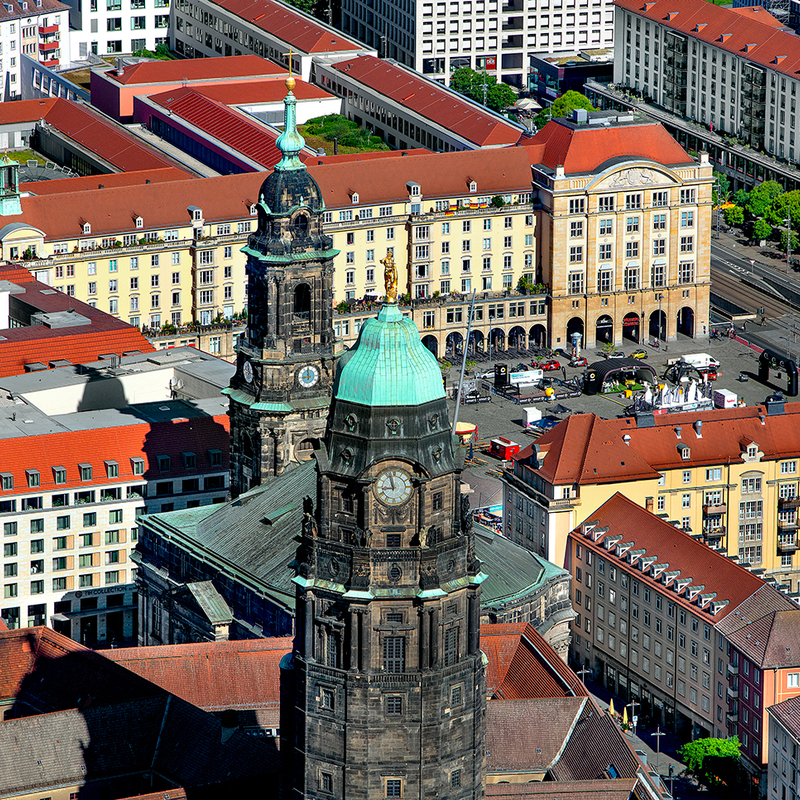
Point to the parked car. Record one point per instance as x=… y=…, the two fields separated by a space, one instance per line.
x=547 y=366
x=639 y=354
x=579 y=362
x=520 y=368
x=616 y=354
x=711 y=373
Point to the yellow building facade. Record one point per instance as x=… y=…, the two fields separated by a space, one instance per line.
x=730 y=478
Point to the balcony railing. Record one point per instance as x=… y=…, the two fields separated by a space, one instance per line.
x=715 y=508
x=717 y=532
x=789 y=502
x=732 y=693
x=787 y=545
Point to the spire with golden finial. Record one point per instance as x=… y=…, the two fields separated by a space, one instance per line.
x=290 y=142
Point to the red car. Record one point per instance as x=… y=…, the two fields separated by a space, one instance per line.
x=547 y=366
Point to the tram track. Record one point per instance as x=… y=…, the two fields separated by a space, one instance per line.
x=747 y=296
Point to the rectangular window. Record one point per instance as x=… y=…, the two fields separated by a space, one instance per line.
x=394 y=654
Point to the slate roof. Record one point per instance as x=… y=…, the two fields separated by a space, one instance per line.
x=772 y=642
x=196 y=69
x=595 y=744
x=300 y=31
x=775 y=49
x=787 y=713
x=587 y=149
x=706 y=567
x=586 y=449
x=522 y=665
x=529 y=734
x=162 y=734
x=454 y=113
x=214 y=676
x=254 y=533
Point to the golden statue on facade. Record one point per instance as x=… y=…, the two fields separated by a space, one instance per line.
x=390 y=278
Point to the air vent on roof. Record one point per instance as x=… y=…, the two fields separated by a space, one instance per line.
x=700 y=26
x=748 y=48
x=778 y=59
x=163 y=408
x=671 y=16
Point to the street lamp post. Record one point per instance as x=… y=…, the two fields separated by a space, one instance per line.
x=658 y=734
x=584 y=671
x=634 y=719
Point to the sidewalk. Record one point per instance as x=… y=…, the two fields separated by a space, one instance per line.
x=659 y=758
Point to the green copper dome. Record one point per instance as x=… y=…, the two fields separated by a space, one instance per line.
x=389 y=365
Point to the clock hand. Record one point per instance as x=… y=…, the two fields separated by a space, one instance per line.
x=391 y=481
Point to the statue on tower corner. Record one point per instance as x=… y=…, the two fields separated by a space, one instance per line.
x=390 y=278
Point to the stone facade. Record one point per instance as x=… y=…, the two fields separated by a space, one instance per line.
x=388 y=593
x=280 y=391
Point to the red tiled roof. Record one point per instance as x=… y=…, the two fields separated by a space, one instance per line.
x=522 y=665
x=79 y=344
x=619 y=789
x=214 y=676
x=787 y=713
x=436 y=103
x=585 y=449
x=26 y=110
x=759 y=14
x=298 y=30
x=377 y=177
x=240 y=133
x=695 y=560
x=88 y=182
x=584 y=149
x=196 y=69
x=232 y=94
x=70 y=674
x=575 y=453
x=686 y=15
x=146 y=440
x=110 y=142
x=523 y=735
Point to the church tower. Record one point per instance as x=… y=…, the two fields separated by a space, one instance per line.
x=280 y=392
x=384 y=694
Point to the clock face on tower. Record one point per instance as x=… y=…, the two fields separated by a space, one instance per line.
x=247 y=371
x=393 y=486
x=308 y=376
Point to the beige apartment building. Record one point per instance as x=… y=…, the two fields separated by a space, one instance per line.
x=623 y=231
x=609 y=237
x=729 y=477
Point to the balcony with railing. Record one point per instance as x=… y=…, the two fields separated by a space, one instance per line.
x=787 y=543
x=710 y=509
x=789 y=502
x=732 y=693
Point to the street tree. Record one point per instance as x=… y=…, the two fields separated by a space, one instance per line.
x=563 y=107
x=714 y=761
x=476 y=85
x=761 y=197
x=722 y=188
x=761 y=230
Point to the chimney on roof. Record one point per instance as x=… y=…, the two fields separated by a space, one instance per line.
x=763 y=419
x=775 y=404
x=698 y=428
x=627 y=439
x=678 y=430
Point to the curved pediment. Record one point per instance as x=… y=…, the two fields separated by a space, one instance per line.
x=636 y=175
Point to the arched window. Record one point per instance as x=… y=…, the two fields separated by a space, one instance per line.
x=301 y=224
x=304 y=450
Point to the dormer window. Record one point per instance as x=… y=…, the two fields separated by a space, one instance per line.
x=414 y=189
x=87 y=228
x=34 y=478
x=253 y=210
x=354 y=198
x=752 y=450
x=473 y=186
x=139 y=222
x=195 y=213
x=685 y=451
